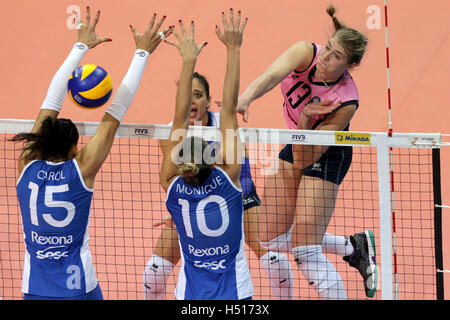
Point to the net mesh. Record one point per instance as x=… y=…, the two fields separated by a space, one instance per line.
x=128 y=201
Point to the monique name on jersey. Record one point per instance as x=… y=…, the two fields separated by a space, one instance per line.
x=199 y=190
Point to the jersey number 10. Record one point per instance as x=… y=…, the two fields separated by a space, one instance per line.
x=201 y=219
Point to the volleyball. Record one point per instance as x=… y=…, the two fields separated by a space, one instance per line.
x=89 y=86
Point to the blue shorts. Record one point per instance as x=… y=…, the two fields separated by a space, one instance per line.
x=251 y=199
x=95 y=294
x=332 y=166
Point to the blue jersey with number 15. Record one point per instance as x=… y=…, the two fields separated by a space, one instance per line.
x=209 y=221
x=55 y=205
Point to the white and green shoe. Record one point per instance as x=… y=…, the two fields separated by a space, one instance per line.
x=363 y=258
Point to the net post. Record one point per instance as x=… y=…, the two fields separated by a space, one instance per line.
x=436 y=156
x=385 y=217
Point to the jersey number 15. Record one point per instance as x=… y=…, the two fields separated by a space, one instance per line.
x=49 y=202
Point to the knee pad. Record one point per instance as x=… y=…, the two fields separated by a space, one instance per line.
x=156 y=274
x=319 y=272
x=279 y=270
x=282 y=243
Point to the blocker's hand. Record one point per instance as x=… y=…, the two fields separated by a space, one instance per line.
x=186 y=45
x=233 y=30
x=151 y=38
x=86 y=30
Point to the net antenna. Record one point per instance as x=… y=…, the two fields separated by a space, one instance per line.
x=391 y=156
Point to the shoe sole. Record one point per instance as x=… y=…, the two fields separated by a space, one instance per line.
x=373 y=266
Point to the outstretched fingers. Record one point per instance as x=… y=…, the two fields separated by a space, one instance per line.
x=182 y=28
x=224 y=20
x=202 y=46
x=88 y=15
x=97 y=17
x=158 y=24
x=244 y=23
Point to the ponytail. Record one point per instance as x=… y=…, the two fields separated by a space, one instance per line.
x=331 y=10
x=353 y=41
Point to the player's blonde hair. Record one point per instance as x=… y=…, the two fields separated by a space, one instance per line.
x=353 y=41
x=194 y=168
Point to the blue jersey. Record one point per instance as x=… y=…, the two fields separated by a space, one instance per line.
x=209 y=221
x=55 y=205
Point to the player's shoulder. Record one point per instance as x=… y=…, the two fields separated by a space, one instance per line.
x=348 y=86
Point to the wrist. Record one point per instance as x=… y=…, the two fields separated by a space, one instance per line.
x=189 y=60
x=80 y=47
x=305 y=115
x=142 y=52
x=234 y=49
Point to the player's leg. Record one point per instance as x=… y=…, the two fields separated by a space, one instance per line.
x=315 y=206
x=275 y=264
x=159 y=267
x=336 y=244
x=278 y=204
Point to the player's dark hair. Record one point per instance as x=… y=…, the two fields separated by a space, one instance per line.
x=53 y=140
x=203 y=81
x=353 y=41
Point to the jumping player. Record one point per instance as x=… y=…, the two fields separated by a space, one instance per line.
x=299 y=200
x=56 y=181
x=204 y=198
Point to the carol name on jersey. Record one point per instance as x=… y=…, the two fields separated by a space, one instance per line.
x=54 y=176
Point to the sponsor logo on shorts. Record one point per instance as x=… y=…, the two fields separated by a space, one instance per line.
x=352 y=138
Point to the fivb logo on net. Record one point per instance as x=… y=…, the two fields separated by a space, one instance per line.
x=262 y=155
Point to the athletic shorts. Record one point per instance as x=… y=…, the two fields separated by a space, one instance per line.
x=332 y=166
x=251 y=199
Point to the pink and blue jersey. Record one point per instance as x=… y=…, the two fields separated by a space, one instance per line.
x=55 y=206
x=301 y=88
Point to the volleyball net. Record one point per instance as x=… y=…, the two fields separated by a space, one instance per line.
x=392 y=188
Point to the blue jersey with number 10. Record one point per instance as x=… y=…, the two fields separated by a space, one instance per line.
x=55 y=205
x=209 y=221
